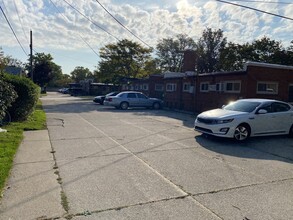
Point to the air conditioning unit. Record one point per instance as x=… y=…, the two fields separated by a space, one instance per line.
x=213 y=87
x=191 y=89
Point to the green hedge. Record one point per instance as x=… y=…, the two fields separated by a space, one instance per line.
x=28 y=94
x=7 y=95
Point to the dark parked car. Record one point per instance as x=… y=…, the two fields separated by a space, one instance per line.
x=132 y=99
x=100 y=99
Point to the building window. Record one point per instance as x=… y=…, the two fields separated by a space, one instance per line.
x=220 y=87
x=267 y=88
x=170 y=87
x=233 y=87
x=204 y=87
x=145 y=87
x=136 y=87
x=186 y=87
x=159 y=87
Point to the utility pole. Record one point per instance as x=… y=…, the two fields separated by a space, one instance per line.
x=31 y=55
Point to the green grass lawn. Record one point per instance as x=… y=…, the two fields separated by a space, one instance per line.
x=10 y=140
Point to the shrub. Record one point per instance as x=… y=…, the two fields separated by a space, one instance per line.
x=28 y=94
x=7 y=95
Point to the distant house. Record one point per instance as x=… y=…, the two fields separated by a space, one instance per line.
x=18 y=71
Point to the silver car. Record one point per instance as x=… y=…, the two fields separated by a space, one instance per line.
x=247 y=117
x=132 y=99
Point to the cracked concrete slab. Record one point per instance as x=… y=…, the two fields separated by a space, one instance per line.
x=184 y=209
x=88 y=147
x=265 y=201
x=112 y=181
x=196 y=173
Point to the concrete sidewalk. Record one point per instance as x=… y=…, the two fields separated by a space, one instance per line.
x=32 y=191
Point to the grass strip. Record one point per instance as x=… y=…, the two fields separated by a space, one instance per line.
x=10 y=140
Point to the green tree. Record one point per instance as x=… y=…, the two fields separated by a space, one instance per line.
x=81 y=73
x=271 y=51
x=208 y=50
x=8 y=61
x=44 y=69
x=171 y=52
x=63 y=81
x=124 y=59
x=234 y=56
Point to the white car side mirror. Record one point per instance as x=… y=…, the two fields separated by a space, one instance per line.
x=262 y=111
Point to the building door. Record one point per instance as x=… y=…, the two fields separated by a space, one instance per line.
x=290 y=98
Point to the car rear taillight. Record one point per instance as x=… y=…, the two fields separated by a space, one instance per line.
x=110 y=99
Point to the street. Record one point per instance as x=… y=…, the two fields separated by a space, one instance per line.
x=151 y=164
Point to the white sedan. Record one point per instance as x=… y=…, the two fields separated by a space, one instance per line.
x=246 y=118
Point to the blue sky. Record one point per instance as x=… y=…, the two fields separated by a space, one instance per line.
x=66 y=34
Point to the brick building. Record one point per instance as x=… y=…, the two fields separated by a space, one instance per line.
x=196 y=93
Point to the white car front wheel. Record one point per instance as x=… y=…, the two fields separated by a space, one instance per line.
x=242 y=132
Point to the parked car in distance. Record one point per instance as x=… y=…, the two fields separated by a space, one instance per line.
x=246 y=118
x=64 y=90
x=100 y=98
x=126 y=99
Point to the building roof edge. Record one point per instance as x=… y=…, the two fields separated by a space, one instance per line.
x=270 y=65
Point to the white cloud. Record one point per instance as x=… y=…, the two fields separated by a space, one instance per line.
x=289 y=11
x=150 y=20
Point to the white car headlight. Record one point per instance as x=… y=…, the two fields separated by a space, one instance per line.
x=224 y=121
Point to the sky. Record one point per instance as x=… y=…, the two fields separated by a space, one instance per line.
x=74 y=36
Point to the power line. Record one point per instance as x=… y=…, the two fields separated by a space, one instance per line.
x=20 y=20
x=123 y=25
x=248 y=1
x=13 y=31
x=78 y=33
x=90 y=20
x=254 y=9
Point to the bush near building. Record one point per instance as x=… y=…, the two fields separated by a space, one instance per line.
x=7 y=96
x=28 y=94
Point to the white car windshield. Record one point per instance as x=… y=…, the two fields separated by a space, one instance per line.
x=242 y=106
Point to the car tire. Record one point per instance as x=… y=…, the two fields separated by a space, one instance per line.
x=291 y=132
x=156 y=105
x=124 y=105
x=242 y=132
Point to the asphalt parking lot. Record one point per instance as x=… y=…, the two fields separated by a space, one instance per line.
x=151 y=164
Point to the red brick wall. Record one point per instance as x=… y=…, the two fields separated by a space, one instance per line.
x=189 y=61
x=153 y=80
x=215 y=99
x=284 y=77
x=173 y=99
